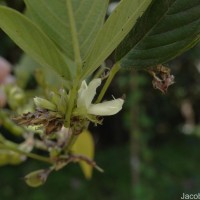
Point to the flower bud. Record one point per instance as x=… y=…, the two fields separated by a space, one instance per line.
x=37 y=178
x=15 y=158
x=10 y=157
x=16 y=97
x=44 y=104
x=4 y=158
x=60 y=100
x=63 y=101
x=55 y=98
x=63 y=94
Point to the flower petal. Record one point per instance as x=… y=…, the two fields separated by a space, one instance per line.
x=86 y=93
x=81 y=93
x=106 y=108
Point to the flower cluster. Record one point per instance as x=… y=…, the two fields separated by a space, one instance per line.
x=51 y=113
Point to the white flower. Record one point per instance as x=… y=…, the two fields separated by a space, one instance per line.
x=86 y=94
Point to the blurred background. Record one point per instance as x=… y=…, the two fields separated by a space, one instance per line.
x=149 y=151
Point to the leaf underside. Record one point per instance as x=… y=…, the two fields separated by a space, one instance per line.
x=52 y=17
x=113 y=32
x=33 y=41
x=167 y=29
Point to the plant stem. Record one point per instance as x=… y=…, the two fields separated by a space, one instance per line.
x=112 y=74
x=72 y=140
x=30 y=155
x=70 y=105
x=78 y=62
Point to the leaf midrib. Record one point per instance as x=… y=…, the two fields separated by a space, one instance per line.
x=172 y=30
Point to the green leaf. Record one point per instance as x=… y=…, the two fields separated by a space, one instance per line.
x=24 y=73
x=52 y=17
x=33 y=41
x=167 y=29
x=113 y=32
x=45 y=78
x=85 y=145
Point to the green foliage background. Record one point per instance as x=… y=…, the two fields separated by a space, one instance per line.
x=170 y=160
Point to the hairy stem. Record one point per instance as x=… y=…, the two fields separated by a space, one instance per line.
x=30 y=155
